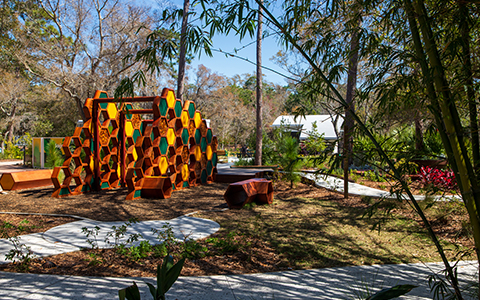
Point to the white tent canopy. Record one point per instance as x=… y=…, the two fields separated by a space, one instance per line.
x=325 y=125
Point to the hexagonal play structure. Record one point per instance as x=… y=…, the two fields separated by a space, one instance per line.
x=116 y=147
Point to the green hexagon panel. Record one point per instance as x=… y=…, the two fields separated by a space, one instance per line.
x=178 y=108
x=209 y=136
x=163 y=106
x=198 y=136
x=204 y=176
x=128 y=108
x=185 y=136
x=203 y=144
x=209 y=168
x=191 y=110
x=163 y=145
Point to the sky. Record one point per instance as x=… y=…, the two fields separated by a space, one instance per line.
x=230 y=66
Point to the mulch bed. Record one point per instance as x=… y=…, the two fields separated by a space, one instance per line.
x=110 y=205
x=253 y=256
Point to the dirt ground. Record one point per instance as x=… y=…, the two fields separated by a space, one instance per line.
x=252 y=256
x=111 y=205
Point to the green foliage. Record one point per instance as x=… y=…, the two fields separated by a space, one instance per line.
x=92 y=235
x=315 y=142
x=11 y=152
x=94 y=259
x=141 y=251
x=54 y=156
x=227 y=244
x=288 y=158
x=166 y=237
x=374 y=176
x=193 y=250
x=167 y=274
x=393 y=292
x=21 y=254
x=244 y=161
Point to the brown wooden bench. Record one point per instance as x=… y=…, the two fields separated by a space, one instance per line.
x=26 y=180
x=258 y=190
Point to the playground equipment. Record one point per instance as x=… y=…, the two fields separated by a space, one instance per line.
x=11 y=181
x=259 y=190
x=151 y=157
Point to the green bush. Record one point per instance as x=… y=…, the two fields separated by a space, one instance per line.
x=54 y=156
x=11 y=152
x=288 y=158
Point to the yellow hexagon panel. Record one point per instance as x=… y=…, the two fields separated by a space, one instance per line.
x=135 y=155
x=198 y=153
x=185 y=118
x=209 y=152
x=185 y=172
x=128 y=128
x=197 y=119
x=170 y=136
x=171 y=99
x=112 y=110
x=163 y=164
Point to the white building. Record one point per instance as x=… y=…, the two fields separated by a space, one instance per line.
x=329 y=126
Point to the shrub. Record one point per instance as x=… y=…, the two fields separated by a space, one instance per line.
x=438 y=178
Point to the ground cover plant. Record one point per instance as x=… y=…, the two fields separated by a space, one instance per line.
x=306 y=227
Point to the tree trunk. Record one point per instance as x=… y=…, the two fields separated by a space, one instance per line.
x=181 y=59
x=350 y=109
x=451 y=120
x=467 y=73
x=419 y=144
x=259 y=131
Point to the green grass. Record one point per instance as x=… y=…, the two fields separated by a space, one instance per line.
x=320 y=232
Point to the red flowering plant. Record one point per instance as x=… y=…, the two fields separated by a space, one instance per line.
x=438 y=178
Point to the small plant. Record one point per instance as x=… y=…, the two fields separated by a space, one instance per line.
x=21 y=253
x=288 y=158
x=118 y=233
x=227 y=244
x=159 y=250
x=167 y=274
x=166 y=237
x=141 y=251
x=193 y=250
x=374 y=176
x=54 y=156
x=94 y=259
x=92 y=235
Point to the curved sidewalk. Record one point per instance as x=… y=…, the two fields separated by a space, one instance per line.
x=336 y=184
x=329 y=283
x=69 y=237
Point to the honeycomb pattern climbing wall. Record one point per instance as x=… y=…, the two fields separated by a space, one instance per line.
x=173 y=151
x=177 y=145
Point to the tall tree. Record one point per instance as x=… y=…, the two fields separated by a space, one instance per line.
x=183 y=47
x=259 y=90
x=349 y=98
x=79 y=46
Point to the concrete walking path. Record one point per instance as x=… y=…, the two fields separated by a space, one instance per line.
x=336 y=184
x=329 y=283
x=69 y=237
